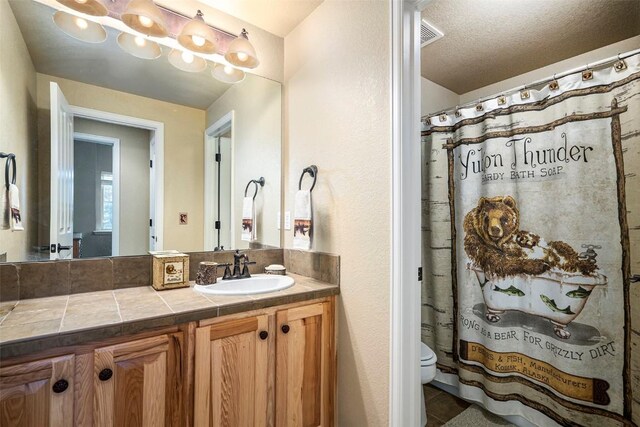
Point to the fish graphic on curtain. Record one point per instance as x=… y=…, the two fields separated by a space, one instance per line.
x=531 y=235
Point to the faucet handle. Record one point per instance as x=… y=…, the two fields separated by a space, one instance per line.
x=227 y=271
x=245 y=269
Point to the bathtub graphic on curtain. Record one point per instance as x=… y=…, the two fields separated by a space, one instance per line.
x=518 y=270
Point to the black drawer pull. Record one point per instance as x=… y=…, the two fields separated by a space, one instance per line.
x=60 y=386
x=105 y=374
x=285 y=329
x=263 y=335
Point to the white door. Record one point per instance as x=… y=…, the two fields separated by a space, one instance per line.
x=61 y=217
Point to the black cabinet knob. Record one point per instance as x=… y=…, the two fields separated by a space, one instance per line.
x=105 y=374
x=60 y=386
x=285 y=329
x=263 y=335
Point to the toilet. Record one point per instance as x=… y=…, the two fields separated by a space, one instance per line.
x=428 y=361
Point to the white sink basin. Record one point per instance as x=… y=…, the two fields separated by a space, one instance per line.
x=256 y=284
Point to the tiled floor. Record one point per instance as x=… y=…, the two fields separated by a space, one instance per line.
x=441 y=406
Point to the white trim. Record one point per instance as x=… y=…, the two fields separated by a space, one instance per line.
x=115 y=144
x=223 y=124
x=404 y=390
x=157 y=153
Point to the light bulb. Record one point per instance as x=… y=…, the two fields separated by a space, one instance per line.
x=198 y=41
x=81 y=23
x=145 y=22
x=81 y=1
x=242 y=56
x=228 y=69
x=187 y=57
x=140 y=41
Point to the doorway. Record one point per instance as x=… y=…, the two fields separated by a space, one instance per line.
x=61 y=227
x=218 y=175
x=96 y=215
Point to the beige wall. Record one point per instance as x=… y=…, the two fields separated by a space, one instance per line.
x=257 y=128
x=337 y=116
x=435 y=97
x=183 y=151
x=19 y=130
x=134 y=181
x=548 y=71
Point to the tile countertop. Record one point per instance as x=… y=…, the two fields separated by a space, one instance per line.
x=31 y=325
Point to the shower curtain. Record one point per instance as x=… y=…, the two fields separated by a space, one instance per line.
x=531 y=239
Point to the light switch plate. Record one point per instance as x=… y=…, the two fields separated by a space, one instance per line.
x=287 y=220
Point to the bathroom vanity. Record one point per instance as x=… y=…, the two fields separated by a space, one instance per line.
x=177 y=357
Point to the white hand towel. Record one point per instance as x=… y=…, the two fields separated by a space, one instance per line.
x=248 y=220
x=14 y=205
x=5 y=210
x=302 y=221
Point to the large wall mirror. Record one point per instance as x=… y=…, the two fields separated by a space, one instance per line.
x=118 y=155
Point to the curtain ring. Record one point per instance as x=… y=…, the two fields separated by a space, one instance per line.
x=620 y=65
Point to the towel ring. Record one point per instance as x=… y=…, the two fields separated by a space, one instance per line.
x=311 y=170
x=11 y=160
x=257 y=182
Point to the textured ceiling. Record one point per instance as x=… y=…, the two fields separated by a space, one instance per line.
x=106 y=65
x=486 y=41
x=278 y=17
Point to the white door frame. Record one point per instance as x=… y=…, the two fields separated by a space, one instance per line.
x=220 y=126
x=404 y=390
x=115 y=144
x=156 y=201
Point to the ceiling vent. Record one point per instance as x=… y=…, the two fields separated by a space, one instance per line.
x=429 y=33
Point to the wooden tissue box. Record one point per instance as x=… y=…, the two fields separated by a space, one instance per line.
x=170 y=270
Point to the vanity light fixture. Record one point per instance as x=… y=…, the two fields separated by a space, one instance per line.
x=241 y=52
x=139 y=46
x=145 y=17
x=197 y=36
x=79 y=28
x=88 y=7
x=187 y=61
x=227 y=73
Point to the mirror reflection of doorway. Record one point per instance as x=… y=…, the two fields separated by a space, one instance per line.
x=223 y=190
x=95 y=195
x=111 y=189
x=109 y=221
x=218 y=185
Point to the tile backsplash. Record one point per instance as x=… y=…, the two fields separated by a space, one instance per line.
x=27 y=280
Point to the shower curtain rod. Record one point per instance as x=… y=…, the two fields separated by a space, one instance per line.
x=601 y=63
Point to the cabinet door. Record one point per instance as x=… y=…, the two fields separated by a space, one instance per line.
x=134 y=383
x=231 y=373
x=37 y=394
x=304 y=366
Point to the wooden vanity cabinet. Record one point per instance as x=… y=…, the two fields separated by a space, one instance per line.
x=274 y=367
x=231 y=369
x=38 y=394
x=305 y=350
x=268 y=367
x=138 y=383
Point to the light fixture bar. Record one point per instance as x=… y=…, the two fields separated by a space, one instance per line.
x=174 y=22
